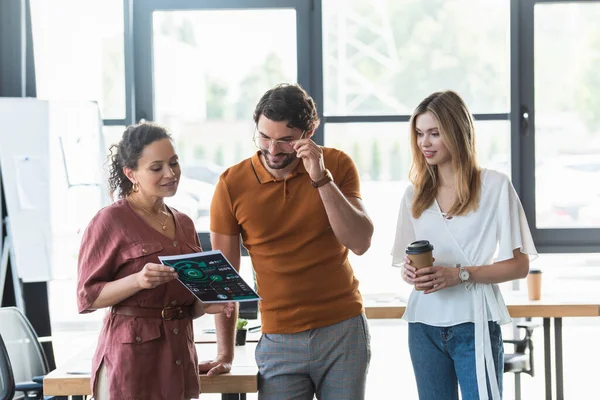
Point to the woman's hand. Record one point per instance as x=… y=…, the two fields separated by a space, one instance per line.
x=153 y=275
x=408 y=271
x=437 y=278
x=217 y=308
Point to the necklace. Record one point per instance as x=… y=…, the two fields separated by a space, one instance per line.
x=162 y=224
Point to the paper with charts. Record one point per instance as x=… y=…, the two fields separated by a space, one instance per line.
x=210 y=277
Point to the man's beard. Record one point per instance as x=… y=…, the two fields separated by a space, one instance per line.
x=285 y=161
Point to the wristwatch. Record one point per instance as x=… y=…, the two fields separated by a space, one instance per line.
x=323 y=181
x=463 y=274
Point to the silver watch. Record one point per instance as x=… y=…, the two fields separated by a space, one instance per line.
x=463 y=274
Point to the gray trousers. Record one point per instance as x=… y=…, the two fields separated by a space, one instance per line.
x=331 y=362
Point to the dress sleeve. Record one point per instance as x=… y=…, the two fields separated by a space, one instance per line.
x=222 y=217
x=513 y=230
x=97 y=263
x=405 y=231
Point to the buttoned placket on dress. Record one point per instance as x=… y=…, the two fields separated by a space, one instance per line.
x=178 y=353
x=172 y=326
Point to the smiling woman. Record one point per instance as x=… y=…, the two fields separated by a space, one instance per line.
x=477 y=225
x=138 y=156
x=119 y=268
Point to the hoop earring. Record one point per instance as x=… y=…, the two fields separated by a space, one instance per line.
x=136 y=188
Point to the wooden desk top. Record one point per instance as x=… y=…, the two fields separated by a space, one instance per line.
x=74 y=377
x=517 y=302
x=552 y=306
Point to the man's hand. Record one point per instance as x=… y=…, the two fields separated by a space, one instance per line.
x=312 y=158
x=220 y=365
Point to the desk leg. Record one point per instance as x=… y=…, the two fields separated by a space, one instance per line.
x=558 y=358
x=233 y=396
x=547 y=359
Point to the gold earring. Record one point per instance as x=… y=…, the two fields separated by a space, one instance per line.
x=136 y=188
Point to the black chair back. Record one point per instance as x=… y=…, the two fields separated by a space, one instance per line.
x=7 y=379
x=25 y=352
x=521 y=360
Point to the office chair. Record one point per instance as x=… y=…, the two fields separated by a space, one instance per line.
x=7 y=379
x=25 y=354
x=521 y=360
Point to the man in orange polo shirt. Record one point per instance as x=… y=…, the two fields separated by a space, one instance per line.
x=297 y=208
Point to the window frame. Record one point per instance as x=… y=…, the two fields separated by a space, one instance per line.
x=547 y=240
x=142 y=31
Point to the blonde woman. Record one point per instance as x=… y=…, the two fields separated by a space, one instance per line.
x=476 y=224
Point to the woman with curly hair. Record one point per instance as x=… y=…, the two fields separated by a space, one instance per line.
x=146 y=347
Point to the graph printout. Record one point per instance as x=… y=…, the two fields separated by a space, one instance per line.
x=210 y=277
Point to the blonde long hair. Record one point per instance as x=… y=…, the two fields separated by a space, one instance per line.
x=457 y=132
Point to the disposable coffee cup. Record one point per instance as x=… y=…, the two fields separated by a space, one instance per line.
x=534 y=284
x=420 y=254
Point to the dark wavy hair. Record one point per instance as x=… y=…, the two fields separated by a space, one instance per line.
x=128 y=151
x=288 y=102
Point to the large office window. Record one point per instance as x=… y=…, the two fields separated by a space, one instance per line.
x=205 y=91
x=567 y=105
x=200 y=71
x=383 y=57
x=78 y=50
x=560 y=118
x=79 y=55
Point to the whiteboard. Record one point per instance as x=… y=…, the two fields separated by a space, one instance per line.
x=34 y=174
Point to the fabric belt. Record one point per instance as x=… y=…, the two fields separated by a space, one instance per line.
x=167 y=313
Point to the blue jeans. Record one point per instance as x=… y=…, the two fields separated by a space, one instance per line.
x=443 y=359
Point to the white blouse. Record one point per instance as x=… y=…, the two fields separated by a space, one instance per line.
x=483 y=237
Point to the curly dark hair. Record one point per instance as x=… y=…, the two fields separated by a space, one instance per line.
x=128 y=151
x=288 y=102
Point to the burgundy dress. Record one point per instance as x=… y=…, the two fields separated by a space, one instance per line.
x=145 y=358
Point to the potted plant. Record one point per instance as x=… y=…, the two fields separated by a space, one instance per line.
x=240 y=333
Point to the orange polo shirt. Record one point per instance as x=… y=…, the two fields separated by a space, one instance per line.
x=302 y=271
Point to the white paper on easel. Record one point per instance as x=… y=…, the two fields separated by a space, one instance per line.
x=31 y=182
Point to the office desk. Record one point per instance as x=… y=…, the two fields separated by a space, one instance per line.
x=73 y=378
x=519 y=306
